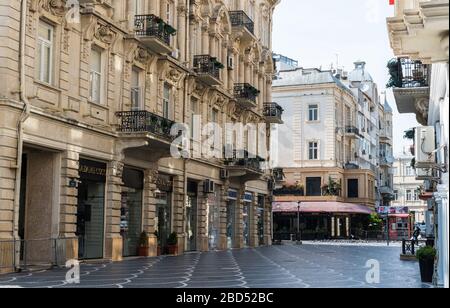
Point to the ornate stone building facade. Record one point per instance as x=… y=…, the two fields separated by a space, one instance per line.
x=87 y=102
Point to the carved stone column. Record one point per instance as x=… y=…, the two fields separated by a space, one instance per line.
x=149 y=208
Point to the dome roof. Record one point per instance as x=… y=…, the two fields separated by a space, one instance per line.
x=360 y=74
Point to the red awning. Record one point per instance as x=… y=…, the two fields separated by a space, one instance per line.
x=399 y=215
x=321 y=207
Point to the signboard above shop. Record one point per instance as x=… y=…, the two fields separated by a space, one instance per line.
x=384 y=210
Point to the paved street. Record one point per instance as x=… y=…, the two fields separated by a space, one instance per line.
x=287 y=266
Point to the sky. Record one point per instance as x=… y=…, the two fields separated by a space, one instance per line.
x=319 y=33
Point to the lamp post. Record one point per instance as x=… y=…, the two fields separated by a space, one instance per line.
x=298 y=237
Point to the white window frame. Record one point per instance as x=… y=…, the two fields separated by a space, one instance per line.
x=99 y=75
x=316 y=148
x=315 y=112
x=43 y=42
x=137 y=90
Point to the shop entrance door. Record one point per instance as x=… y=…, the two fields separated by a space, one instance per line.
x=231 y=207
x=214 y=220
x=260 y=220
x=90 y=211
x=163 y=219
x=131 y=211
x=246 y=223
x=191 y=217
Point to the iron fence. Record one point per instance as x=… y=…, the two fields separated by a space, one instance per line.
x=246 y=91
x=272 y=110
x=410 y=247
x=153 y=26
x=144 y=121
x=240 y=18
x=205 y=64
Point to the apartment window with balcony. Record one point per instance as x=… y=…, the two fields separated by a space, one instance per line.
x=409 y=171
x=45 y=52
x=313 y=150
x=314 y=187
x=409 y=195
x=167 y=110
x=313 y=113
x=137 y=101
x=96 y=75
x=353 y=188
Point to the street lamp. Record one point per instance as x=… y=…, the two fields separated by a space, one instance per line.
x=298 y=237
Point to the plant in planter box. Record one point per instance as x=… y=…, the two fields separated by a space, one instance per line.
x=172 y=244
x=426 y=256
x=158 y=244
x=143 y=250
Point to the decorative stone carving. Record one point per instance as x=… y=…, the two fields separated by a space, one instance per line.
x=141 y=55
x=117 y=168
x=104 y=34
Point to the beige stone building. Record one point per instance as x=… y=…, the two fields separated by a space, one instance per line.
x=87 y=103
x=329 y=150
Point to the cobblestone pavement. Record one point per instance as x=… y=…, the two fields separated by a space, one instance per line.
x=287 y=266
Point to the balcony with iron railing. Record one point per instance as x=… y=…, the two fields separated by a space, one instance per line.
x=137 y=122
x=154 y=33
x=240 y=21
x=245 y=94
x=352 y=131
x=245 y=166
x=273 y=113
x=410 y=80
x=208 y=69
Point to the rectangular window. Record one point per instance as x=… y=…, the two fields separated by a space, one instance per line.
x=409 y=195
x=313 y=113
x=396 y=195
x=136 y=90
x=313 y=150
x=96 y=75
x=314 y=187
x=353 y=189
x=166 y=101
x=194 y=111
x=45 y=52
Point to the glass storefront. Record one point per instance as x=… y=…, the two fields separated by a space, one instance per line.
x=131 y=211
x=91 y=209
x=231 y=212
x=163 y=219
x=214 y=219
x=191 y=216
x=260 y=219
x=248 y=200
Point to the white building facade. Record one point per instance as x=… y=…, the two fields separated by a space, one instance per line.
x=419 y=36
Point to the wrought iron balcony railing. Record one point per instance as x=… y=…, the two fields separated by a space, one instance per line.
x=407 y=73
x=246 y=91
x=352 y=130
x=241 y=19
x=245 y=160
x=205 y=64
x=272 y=110
x=153 y=26
x=145 y=122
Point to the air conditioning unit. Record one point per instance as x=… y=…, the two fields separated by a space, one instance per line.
x=208 y=187
x=224 y=174
x=425 y=147
x=230 y=62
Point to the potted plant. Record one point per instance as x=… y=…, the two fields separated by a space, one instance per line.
x=143 y=250
x=426 y=256
x=172 y=244
x=158 y=244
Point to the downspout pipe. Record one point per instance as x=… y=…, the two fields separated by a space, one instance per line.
x=23 y=117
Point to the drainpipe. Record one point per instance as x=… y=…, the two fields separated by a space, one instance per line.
x=23 y=117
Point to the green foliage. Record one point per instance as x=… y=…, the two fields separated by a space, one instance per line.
x=375 y=222
x=426 y=253
x=143 y=239
x=173 y=239
x=396 y=74
x=410 y=134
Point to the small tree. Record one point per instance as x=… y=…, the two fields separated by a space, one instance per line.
x=375 y=222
